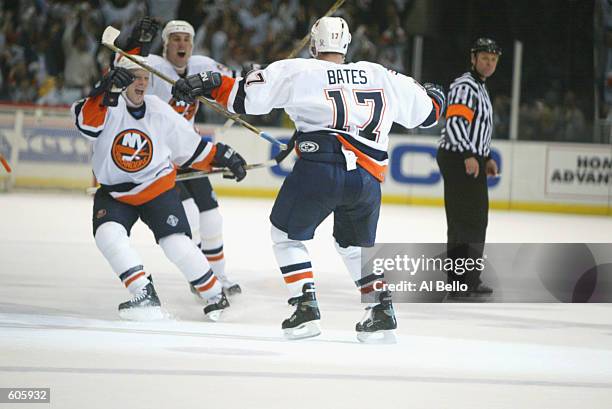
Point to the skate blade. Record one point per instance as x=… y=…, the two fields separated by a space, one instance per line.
x=144 y=314
x=214 y=315
x=378 y=337
x=306 y=330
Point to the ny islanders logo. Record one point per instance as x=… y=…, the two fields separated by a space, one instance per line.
x=132 y=150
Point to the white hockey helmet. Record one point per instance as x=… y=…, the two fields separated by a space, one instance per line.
x=124 y=62
x=177 y=26
x=329 y=35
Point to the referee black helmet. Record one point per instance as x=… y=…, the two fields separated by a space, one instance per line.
x=487 y=45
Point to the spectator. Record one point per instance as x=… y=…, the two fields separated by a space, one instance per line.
x=80 y=71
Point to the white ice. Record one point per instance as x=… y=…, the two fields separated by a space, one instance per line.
x=59 y=327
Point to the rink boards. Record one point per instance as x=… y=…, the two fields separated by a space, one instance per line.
x=540 y=176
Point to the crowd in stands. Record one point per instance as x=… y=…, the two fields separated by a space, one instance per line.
x=50 y=53
x=50 y=50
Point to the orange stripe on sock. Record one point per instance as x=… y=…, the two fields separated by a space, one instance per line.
x=370 y=288
x=298 y=277
x=215 y=258
x=134 y=278
x=209 y=285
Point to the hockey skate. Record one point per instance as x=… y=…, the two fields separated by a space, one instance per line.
x=215 y=307
x=378 y=324
x=144 y=306
x=304 y=322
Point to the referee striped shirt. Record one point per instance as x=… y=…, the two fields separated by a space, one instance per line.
x=469 y=117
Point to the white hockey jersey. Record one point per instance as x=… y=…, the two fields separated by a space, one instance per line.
x=136 y=159
x=159 y=87
x=359 y=102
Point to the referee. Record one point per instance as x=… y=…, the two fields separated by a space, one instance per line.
x=465 y=162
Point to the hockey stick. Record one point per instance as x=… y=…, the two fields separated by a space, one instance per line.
x=221 y=171
x=5 y=164
x=204 y=173
x=228 y=124
x=108 y=39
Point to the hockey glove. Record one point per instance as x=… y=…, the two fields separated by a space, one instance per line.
x=115 y=81
x=141 y=36
x=226 y=157
x=189 y=88
x=436 y=92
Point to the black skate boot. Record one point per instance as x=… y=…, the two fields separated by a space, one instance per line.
x=304 y=322
x=216 y=306
x=379 y=323
x=144 y=306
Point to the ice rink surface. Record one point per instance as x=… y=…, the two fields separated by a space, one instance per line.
x=59 y=327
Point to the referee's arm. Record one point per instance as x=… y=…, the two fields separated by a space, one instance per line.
x=459 y=116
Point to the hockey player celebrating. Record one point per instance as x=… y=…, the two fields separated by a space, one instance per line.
x=138 y=140
x=197 y=195
x=343 y=114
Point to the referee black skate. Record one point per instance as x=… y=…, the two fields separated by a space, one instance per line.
x=464 y=158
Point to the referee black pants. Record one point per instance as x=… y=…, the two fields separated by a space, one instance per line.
x=466 y=201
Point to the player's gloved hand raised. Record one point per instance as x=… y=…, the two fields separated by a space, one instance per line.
x=145 y=30
x=140 y=36
x=187 y=89
x=115 y=81
x=226 y=157
x=436 y=92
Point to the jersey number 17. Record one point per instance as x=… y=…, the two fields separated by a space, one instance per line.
x=375 y=99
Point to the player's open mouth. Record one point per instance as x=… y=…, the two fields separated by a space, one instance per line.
x=140 y=92
x=181 y=54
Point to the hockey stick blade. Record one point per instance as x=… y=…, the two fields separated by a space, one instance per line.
x=109 y=35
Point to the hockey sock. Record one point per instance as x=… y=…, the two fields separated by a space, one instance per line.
x=294 y=261
x=211 y=231
x=193 y=218
x=351 y=256
x=187 y=257
x=113 y=242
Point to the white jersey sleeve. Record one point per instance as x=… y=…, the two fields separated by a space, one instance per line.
x=414 y=105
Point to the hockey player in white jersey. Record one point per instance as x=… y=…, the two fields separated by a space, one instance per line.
x=343 y=114
x=138 y=142
x=198 y=197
